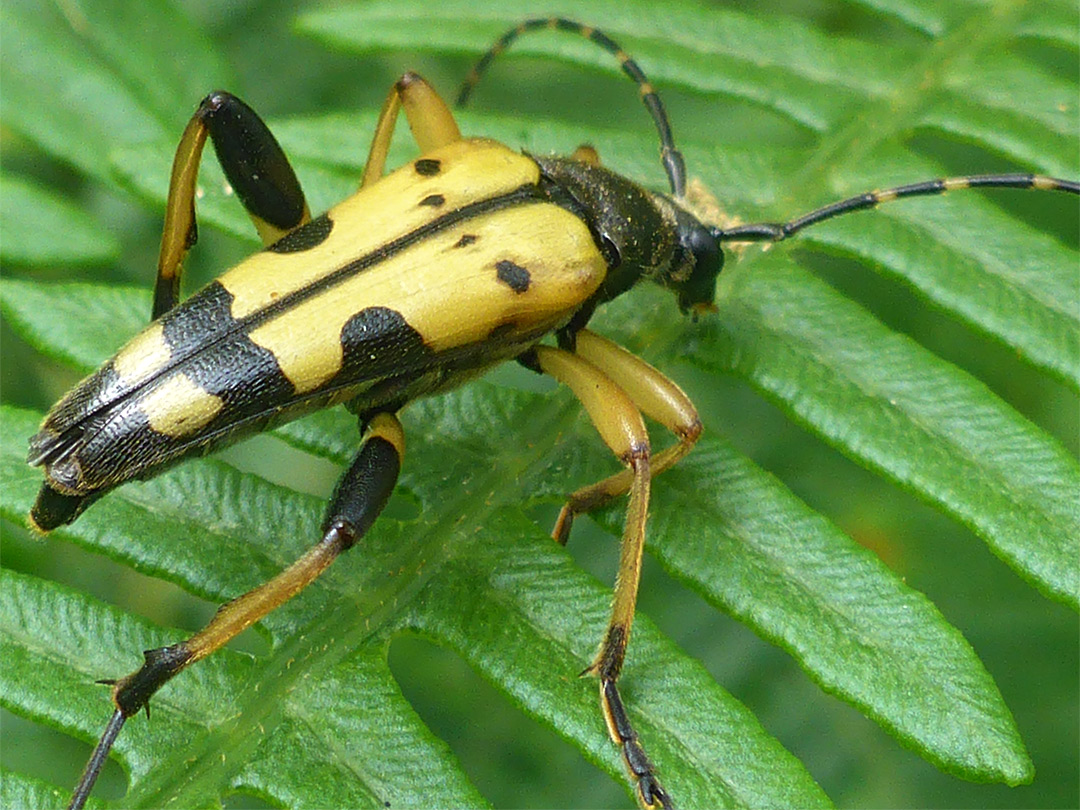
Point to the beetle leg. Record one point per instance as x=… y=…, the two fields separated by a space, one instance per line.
x=619 y=422
x=429 y=118
x=359 y=497
x=257 y=169
x=657 y=397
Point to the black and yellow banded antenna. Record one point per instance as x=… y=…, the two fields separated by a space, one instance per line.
x=669 y=155
x=779 y=231
x=675 y=167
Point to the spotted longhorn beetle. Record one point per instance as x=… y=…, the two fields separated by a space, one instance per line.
x=331 y=312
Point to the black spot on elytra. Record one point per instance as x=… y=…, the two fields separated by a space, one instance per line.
x=92 y=394
x=215 y=356
x=466 y=239
x=305 y=237
x=221 y=359
x=433 y=200
x=513 y=275
x=427 y=167
x=204 y=318
x=378 y=341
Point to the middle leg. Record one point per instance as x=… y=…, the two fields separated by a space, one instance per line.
x=430 y=121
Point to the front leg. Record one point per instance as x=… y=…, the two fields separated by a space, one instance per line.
x=657 y=397
x=619 y=422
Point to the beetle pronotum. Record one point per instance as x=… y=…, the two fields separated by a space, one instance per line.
x=61 y=501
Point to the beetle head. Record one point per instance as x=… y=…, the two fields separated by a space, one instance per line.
x=695 y=265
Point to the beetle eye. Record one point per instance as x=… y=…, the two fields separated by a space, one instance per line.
x=700 y=245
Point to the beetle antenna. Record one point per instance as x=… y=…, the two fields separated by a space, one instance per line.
x=776 y=231
x=671 y=158
x=97 y=761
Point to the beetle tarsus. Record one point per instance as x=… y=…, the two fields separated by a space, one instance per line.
x=133 y=692
x=650 y=793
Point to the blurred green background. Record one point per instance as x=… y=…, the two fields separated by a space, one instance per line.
x=1028 y=644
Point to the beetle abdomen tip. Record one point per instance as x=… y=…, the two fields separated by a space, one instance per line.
x=54 y=508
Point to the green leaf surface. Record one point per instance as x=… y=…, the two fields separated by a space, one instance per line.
x=876 y=391
x=857 y=630
x=66 y=319
x=37 y=227
x=860 y=332
x=311 y=634
x=78 y=83
x=17 y=790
